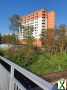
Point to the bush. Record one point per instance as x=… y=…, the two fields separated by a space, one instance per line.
x=36 y=60
x=1 y=52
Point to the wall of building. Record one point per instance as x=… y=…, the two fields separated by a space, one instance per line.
x=51 y=26
x=51 y=20
x=40 y=20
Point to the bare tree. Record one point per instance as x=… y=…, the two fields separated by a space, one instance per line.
x=27 y=34
x=15 y=25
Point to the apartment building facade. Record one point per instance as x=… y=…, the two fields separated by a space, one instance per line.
x=41 y=21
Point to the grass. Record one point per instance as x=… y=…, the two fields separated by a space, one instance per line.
x=38 y=63
x=48 y=64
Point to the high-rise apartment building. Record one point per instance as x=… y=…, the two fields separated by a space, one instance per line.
x=41 y=20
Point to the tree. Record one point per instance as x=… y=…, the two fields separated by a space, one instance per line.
x=9 y=39
x=0 y=38
x=27 y=34
x=44 y=36
x=15 y=25
x=15 y=22
x=60 y=39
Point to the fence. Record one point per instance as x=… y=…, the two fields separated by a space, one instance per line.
x=13 y=77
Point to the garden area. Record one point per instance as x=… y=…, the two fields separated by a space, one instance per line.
x=36 y=60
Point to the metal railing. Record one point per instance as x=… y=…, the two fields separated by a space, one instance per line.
x=21 y=79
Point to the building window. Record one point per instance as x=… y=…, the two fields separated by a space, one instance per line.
x=43 y=17
x=43 y=22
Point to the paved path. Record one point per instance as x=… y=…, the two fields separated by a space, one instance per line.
x=4 y=82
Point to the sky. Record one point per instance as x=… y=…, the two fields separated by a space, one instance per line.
x=9 y=8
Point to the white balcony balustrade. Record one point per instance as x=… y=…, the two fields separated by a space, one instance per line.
x=13 y=77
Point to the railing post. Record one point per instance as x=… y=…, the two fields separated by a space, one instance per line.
x=27 y=79
x=11 y=84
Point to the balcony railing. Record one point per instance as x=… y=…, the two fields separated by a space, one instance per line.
x=13 y=77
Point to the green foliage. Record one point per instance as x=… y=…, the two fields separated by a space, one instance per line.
x=9 y=39
x=36 y=60
x=48 y=64
x=1 y=52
